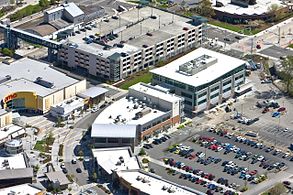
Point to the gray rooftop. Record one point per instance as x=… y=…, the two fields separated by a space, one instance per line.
x=73 y=9
x=93 y=92
x=16 y=173
x=133 y=28
x=25 y=71
x=58 y=176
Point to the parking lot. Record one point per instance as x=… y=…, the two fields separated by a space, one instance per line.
x=222 y=35
x=276 y=52
x=80 y=178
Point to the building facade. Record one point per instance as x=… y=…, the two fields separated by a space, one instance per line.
x=33 y=86
x=204 y=78
x=121 y=52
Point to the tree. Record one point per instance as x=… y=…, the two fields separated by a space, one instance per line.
x=7 y=52
x=287 y=72
x=142 y=152
x=277 y=189
x=53 y=2
x=44 y=3
x=275 y=12
x=205 y=9
x=95 y=177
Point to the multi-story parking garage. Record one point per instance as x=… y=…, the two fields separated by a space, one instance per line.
x=117 y=47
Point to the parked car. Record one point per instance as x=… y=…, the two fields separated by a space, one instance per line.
x=78 y=170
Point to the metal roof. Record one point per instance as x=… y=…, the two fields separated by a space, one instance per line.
x=16 y=173
x=93 y=92
x=113 y=130
x=73 y=9
x=58 y=176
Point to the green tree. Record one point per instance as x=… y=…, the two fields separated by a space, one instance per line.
x=95 y=177
x=205 y=9
x=275 y=12
x=53 y=2
x=277 y=189
x=7 y=52
x=287 y=72
x=44 y=3
x=142 y=152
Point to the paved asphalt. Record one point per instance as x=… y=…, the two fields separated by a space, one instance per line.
x=213 y=32
x=276 y=52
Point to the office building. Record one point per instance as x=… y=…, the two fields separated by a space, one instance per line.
x=203 y=77
x=129 y=42
x=146 y=111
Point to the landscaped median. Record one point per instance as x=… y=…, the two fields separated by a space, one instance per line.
x=236 y=28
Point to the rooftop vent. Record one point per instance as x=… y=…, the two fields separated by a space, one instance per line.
x=196 y=65
x=4 y=79
x=44 y=83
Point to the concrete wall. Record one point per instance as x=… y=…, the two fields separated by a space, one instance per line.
x=5 y=119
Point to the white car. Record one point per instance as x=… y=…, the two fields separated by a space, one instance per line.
x=260 y=158
x=95 y=110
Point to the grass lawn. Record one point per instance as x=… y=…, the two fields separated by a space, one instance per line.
x=235 y=28
x=41 y=146
x=291 y=45
x=144 y=77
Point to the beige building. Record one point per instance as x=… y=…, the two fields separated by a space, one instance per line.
x=5 y=118
x=32 y=86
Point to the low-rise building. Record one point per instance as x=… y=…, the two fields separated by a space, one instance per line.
x=67 y=108
x=28 y=189
x=5 y=117
x=15 y=170
x=110 y=160
x=27 y=85
x=57 y=180
x=93 y=95
x=14 y=146
x=142 y=183
x=203 y=77
x=10 y=132
x=146 y=111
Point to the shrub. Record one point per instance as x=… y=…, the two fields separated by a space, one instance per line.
x=145 y=160
x=142 y=152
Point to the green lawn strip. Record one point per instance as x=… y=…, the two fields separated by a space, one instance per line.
x=40 y=146
x=145 y=78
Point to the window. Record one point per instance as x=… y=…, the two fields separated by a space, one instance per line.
x=202 y=101
x=187 y=102
x=202 y=94
x=228 y=89
x=126 y=140
x=100 y=140
x=227 y=82
x=186 y=95
x=215 y=95
x=215 y=88
x=112 y=140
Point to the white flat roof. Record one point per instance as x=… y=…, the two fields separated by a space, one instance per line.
x=55 y=10
x=155 y=92
x=124 y=109
x=153 y=184
x=15 y=162
x=224 y=64
x=93 y=92
x=25 y=71
x=9 y=130
x=259 y=8
x=107 y=158
x=21 y=189
x=113 y=130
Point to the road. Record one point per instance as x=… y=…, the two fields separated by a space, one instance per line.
x=268 y=37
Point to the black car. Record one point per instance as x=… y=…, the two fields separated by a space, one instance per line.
x=78 y=170
x=146 y=146
x=64 y=171
x=237 y=37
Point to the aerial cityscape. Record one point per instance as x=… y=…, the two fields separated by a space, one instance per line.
x=146 y=97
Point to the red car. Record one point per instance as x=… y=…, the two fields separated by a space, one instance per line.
x=282 y=109
x=265 y=110
x=192 y=156
x=253 y=172
x=214 y=147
